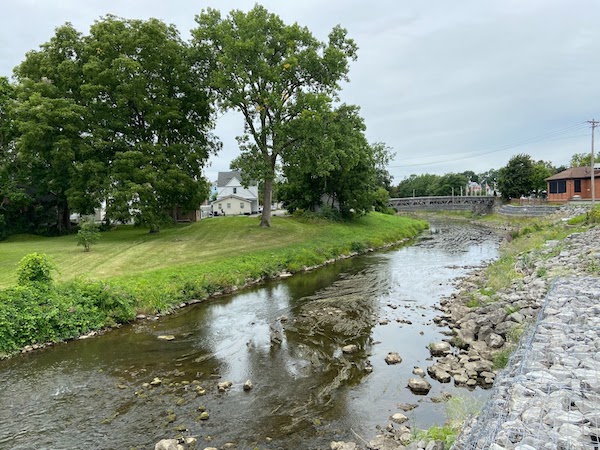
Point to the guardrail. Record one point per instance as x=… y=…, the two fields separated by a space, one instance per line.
x=480 y=204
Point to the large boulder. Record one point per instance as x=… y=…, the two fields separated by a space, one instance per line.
x=438 y=373
x=419 y=386
x=393 y=358
x=440 y=348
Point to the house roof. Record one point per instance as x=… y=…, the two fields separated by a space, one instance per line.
x=573 y=172
x=225 y=177
x=236 y=197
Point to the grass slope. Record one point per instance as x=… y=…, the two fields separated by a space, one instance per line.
x=192 y=261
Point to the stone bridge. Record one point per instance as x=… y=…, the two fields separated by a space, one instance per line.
x=479 y=205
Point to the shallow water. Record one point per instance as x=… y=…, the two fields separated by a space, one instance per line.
x=89 y=394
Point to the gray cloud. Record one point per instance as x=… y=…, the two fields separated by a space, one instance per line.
x=436 y=80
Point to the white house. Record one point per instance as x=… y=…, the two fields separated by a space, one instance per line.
x=232 y=197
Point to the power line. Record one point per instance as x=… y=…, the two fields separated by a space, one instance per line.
x=535 y=139
x=594 y=124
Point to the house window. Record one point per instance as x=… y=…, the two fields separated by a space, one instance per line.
x=241 y=206
x=220 y=205
x=235 y=190
x=577 y=187
x=558 y=187
x=228 y=205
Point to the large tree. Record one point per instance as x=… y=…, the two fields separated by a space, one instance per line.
x=272 y=73
x=516 y=178
x=332 y=164
x=50 y=121
x=150 y=118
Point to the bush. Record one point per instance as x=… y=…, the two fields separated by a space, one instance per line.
x=88 y=234
x=35 y=268
x=33 y=313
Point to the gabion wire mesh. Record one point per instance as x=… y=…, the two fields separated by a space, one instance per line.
x=548 y=397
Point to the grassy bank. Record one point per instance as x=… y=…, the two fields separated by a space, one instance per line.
x=132 y=271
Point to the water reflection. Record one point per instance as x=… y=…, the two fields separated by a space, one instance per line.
x=307 y=392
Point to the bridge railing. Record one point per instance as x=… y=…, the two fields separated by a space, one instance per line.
x=479 y=203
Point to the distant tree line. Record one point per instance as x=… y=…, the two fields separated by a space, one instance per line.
x=124 y=115
x=522 y=176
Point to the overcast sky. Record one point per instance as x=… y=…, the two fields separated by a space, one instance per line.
x=448 y=85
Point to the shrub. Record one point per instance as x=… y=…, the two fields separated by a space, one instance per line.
x=88 y=234
x=35 y=268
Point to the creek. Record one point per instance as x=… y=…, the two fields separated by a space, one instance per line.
x=285 y=336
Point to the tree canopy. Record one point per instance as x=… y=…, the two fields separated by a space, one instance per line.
x=272 y=73
x=516 y=178
x=120 y=115
x=331 y=164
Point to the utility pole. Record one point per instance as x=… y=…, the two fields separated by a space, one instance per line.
x=594 y=124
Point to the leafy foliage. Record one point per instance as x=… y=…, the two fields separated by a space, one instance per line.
x=88 y=234
x=516 y=178
x=432 y=185
x=583 y=159
x=273 y=74
x=36 y=269
x=331 y=164
x=30 y=314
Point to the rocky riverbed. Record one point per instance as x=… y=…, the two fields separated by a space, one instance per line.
x=551 y=399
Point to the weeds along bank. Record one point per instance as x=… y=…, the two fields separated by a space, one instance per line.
x=71 y=292
x=493 y=306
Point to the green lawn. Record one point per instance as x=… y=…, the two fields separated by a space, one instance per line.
x=131 y=271
x=131 y=251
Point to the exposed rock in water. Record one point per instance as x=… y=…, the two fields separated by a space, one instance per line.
x=440 y=348
x=407 y=406
x=419 y=386
x=398 y=418
x=224 y=386
x=248 y=385
x=438 y=373
x=166 y=337
x=187 y=443
x=393 y=358
x=340 y=445
x=419 y=372
x=350 y=349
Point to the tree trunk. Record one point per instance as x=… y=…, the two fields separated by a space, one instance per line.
x=265 y=220
x=64 y=218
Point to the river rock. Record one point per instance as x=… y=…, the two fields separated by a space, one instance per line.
x=494 y=341
x=440 y=348
x=166 y=337
x=156 y=382
x=419 y=372
x=393 y=358
x=382 y=442
x=419 y=386
x=435 y=445
x=224 y=386
x=350 y=349
x=340 y=445
x=461 y=378
x=399 y=418
x=167 y=444
x=437 y=373
x=248 y=385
